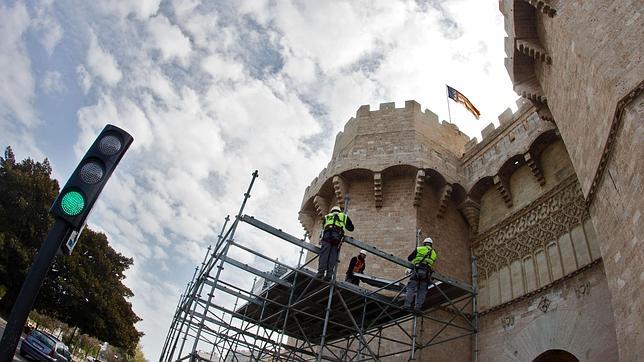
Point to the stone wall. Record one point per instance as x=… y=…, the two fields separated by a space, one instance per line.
x=589 y=81
x=545 y=235
x=573 y=314
x=524 y=188
x=617 y=215
x=594 y=68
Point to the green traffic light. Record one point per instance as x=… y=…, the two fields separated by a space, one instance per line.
x=72 y=203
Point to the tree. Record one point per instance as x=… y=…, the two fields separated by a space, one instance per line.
x=84 y=290
x=26 y=192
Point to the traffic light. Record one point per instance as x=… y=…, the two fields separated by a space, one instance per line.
x=77 y=197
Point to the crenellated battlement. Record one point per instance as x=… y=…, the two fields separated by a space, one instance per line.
x=506 y=118
x=367 y=121
x=375 y=140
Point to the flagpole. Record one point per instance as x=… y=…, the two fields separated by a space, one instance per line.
x=449 y=112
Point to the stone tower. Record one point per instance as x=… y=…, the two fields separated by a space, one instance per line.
x=400 y=168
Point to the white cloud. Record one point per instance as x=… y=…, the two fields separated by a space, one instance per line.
x=169 y=39
x=52 y=82
x=50 y=30
x=102 y=63
x=142 y=9
x=211 y=93
x=18 y=117
x=221 y=68
x=84 y=78
x=16 y=80
x=337 y=40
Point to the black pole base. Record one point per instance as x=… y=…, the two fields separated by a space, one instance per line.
x=30 y=287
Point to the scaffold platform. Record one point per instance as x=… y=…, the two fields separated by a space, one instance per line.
x=292 y=315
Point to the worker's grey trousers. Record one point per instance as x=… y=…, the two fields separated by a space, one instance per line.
x=328 y=258
x=418 y=288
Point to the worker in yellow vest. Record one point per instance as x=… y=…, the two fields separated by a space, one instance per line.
x=423 y=258
x=334 y=225
x=356 y=265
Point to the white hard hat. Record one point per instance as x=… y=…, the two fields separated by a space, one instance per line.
x=363 y=252
x=336 y=209
x=428 y=241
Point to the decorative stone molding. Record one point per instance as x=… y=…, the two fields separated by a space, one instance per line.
x=507 y=322
x=377 y=189
x=418 y=187
x=503 y=187
x=471 y=210
x=582 y=289
x=531 y=228
x=608 y=147
x=340 y=189
x=544 y=113
x=544 y=304
x=321 y=205
x=543 y=6
x=531 y=89
x=307 y=220
x=535 y=166
x=533 y=49
x=446 y=192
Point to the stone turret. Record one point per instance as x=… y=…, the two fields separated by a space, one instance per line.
x=400 y=169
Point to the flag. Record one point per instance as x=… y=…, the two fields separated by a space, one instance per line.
x=460 y=98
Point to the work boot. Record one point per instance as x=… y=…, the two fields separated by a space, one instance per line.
x=319 y=275
x=327 y=278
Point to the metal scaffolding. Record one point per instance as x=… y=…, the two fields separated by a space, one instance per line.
x=289 y=314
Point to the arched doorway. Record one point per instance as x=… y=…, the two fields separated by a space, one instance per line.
x=556 y=355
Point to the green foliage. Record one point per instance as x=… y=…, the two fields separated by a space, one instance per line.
x=88 y=344
x=85 y=290
x=26 y=192
x=44 y=321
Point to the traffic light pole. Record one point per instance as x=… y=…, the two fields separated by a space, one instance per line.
x=71 y=209
x=30 y=287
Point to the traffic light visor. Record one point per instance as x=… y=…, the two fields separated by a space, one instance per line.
x=72 y=202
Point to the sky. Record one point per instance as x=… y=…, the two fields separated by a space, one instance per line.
x=212 y=91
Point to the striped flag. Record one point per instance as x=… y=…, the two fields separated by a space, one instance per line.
x=460 y=98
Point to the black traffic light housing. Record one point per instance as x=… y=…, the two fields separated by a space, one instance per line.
x=79 y=194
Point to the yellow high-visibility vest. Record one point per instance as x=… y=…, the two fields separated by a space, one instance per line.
x=424 y=255
x=337 y=219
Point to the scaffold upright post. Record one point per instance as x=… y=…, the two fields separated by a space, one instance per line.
x=232 y=344
x=182 y=315
x=327 y=313
x=171 y=330
x=189 y=315
x=212 y=288
x=412 y=352
x=177 y=318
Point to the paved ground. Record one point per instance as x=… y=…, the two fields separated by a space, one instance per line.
x=17 y=357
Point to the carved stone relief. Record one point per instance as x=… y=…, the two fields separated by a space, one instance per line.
x=544 y=220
